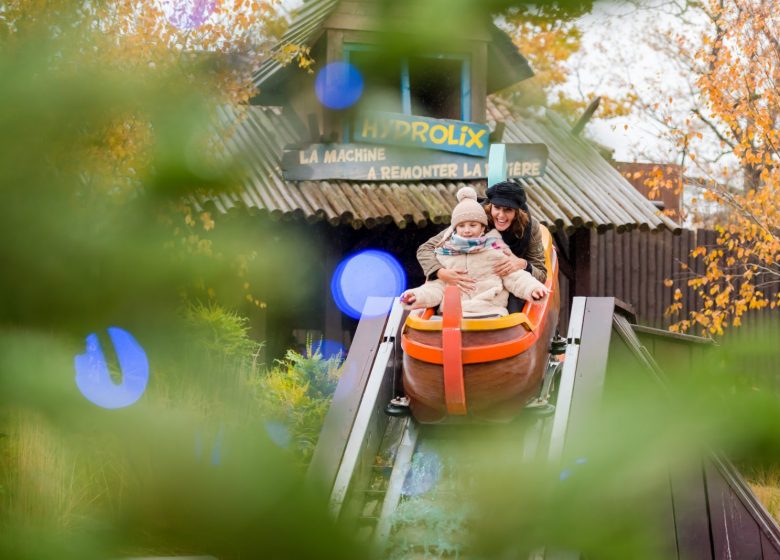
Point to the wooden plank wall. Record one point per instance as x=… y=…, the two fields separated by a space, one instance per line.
x=632 y=267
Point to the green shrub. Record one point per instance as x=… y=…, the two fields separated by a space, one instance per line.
x=296 y=393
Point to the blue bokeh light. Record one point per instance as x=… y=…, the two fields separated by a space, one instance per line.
x=567 y=473
x=279 y=433
x=216 y=447
x=94 y=380
x=368 y=273
x=338 y=85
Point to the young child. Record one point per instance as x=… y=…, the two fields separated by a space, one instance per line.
x=465 y=246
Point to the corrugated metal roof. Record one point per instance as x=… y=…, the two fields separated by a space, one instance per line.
x=304 y=29
x=506 y=65
x=579 y=188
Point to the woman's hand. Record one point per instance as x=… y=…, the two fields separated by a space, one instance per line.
x=459 y=278
x=509 y=263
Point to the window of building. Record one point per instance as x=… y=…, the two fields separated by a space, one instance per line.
x=436 y=86
x=381 y=78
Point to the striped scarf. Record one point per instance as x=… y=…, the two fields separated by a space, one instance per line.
x=457 y=245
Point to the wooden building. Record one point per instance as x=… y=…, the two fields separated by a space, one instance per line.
x=424 y=75
x=668 y=177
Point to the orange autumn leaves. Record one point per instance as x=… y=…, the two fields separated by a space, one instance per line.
x=741 y=90
x=215 y=51
x=161 y=35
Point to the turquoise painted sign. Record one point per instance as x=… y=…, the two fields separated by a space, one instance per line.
x=497 y=170
x=366 y=162
x=396 y=129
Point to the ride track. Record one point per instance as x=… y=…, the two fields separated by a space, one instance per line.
x=363 y=457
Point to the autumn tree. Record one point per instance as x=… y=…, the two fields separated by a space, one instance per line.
x=712 y=105
x=214 y=45
x=737 y=67
x=549 y=35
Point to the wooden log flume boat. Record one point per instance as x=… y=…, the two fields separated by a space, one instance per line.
x=457 y=369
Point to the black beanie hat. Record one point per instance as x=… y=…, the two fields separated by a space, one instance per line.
x=508 y=194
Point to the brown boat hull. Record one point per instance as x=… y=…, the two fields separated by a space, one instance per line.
x=496 y=391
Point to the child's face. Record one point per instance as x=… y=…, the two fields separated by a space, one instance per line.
x=469 y=229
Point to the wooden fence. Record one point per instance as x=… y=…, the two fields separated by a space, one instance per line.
x=632 y=266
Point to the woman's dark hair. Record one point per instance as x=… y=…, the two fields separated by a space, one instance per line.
x=518 y=224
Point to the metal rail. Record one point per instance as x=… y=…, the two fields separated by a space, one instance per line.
x=568 y=375
x=367 y=411
x=403 y=462
x=373 y=505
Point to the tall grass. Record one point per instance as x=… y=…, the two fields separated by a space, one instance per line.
x=764 y=480
x=48 y=480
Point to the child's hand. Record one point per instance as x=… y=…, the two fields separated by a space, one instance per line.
x=539 y=293
x=408 y=298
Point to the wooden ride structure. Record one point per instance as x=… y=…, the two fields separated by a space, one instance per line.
x=457 y=369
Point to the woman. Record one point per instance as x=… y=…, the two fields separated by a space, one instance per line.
x=507 y=212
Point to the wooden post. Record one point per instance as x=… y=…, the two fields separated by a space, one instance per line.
x=478 y=83
x=563 y=244
x=332 y=124
x=333 y=329
x=579 y=251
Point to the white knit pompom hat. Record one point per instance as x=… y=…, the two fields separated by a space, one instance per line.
x=468 y=209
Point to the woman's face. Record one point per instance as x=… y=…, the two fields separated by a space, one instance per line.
x=502 y=217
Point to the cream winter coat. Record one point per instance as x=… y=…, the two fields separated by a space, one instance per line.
x=491 y=292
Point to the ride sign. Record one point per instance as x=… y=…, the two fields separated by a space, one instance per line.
x=397 y=129
x=365 y=162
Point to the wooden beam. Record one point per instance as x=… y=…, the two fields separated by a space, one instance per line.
x=478 y=70
x=315 y=135
x=346 y=400
x=334 y=52
x=333 y=329
x=497 y=135
x=579 y=249
x=577 y=128
x=564 y=264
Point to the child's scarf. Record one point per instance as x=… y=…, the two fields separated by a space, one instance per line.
x=457 y=245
